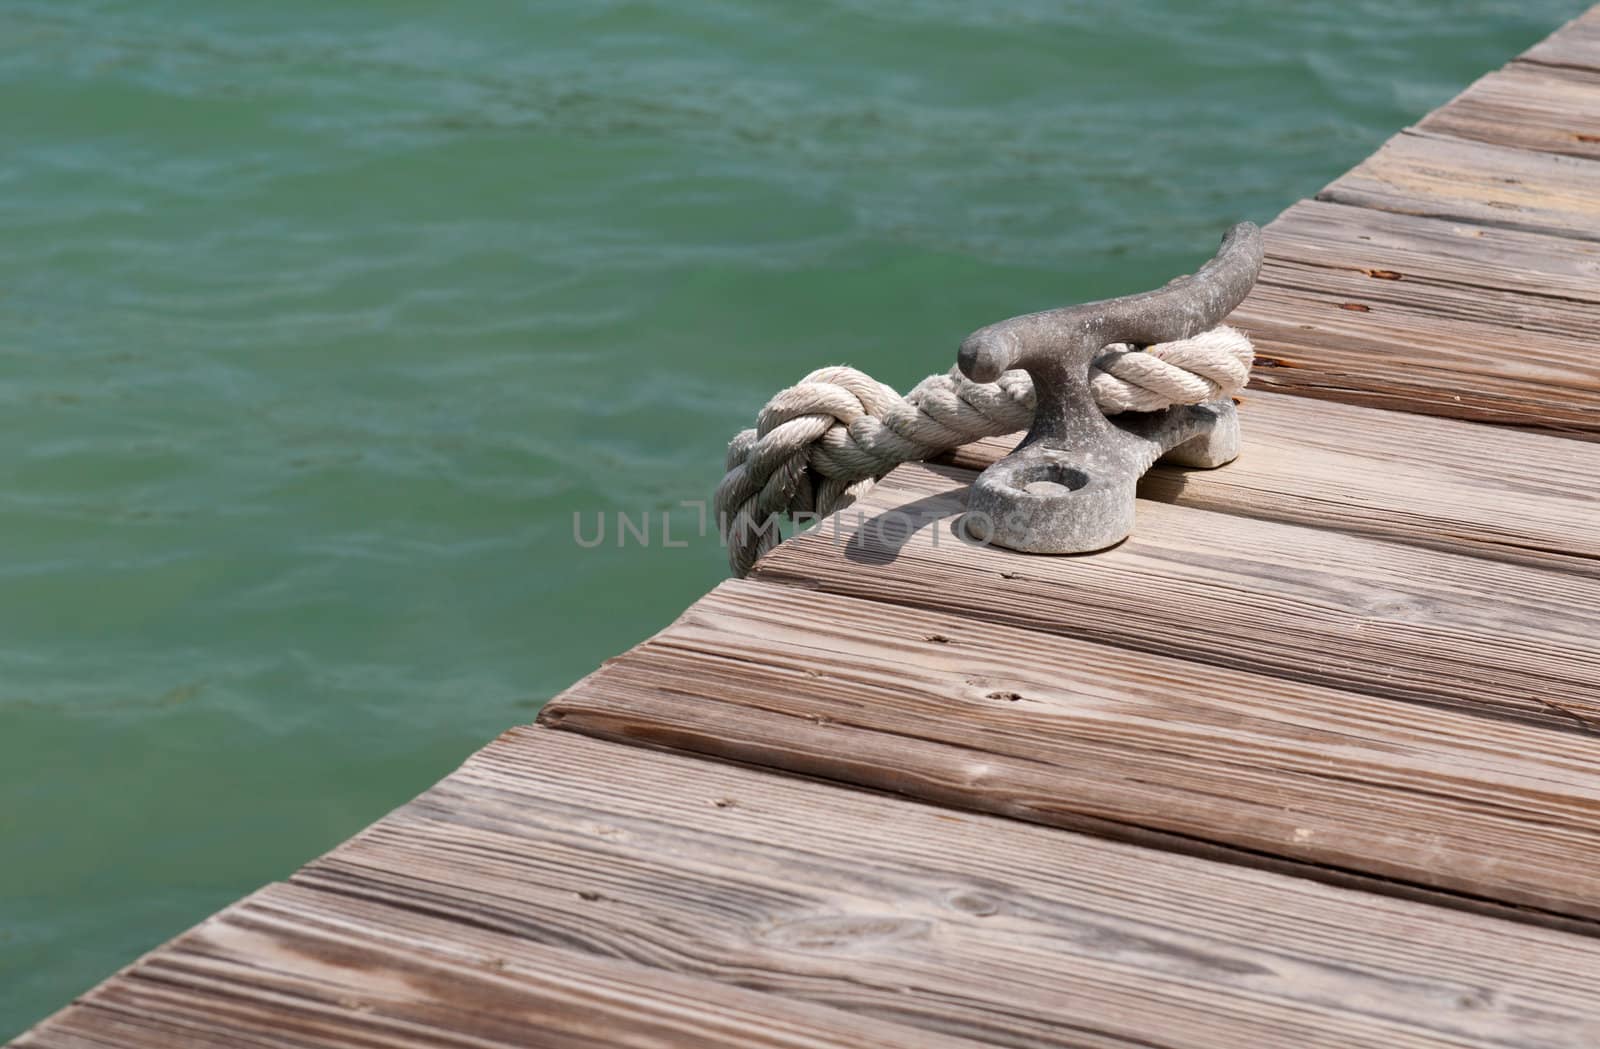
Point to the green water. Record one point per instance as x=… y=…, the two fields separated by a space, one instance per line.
x=318 y=321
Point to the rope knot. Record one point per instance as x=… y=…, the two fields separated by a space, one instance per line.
x=820 y=444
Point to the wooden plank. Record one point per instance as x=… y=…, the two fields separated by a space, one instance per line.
x=1429 y=315
x=1356 y=347
x=294 y=967
x=1544 y=340
x=1529 y=106
x=971 y=926
x=1233 y=684
x=1576 y=44
x=1306 y=604
x=585 y=894
x=953 y=709
x=1418 y=173
x=1436 y=483
x=1434 y=253
x=1460 y=277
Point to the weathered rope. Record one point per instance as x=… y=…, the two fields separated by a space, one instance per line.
x=819 y=445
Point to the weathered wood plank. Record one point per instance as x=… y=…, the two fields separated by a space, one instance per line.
x=1231 y=684
x=975 y=927
x=1306 y=604
x=1542 y=340
x=1357 y=348
x=1437 y=483
x=294 y=967
x=1529 y=106
x=1428 y=253
x=1071 y=733
x=1575 y=44
x=1459 y=277
x=1419 y=173
x=1454 y=272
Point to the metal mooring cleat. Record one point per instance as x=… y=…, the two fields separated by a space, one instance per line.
x=1068 y=488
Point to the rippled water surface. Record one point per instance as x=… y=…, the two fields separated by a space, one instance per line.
x=318 y=321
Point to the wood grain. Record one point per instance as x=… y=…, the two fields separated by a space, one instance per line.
x=1360 y=349
x=970 y=926
x=295 y=967
x=1305 y=604
x=1420 y=173
x=1071 y=733
x=1438 y=483
x=1576 y=44
x=1454 y=272
x=1429 y=253
x=1538 y=339
x=1368 y=653
x=1529 y=106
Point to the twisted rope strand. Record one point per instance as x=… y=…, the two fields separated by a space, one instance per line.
x=819 y=445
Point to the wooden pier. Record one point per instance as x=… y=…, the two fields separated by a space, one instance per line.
x=1312 y=760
